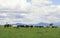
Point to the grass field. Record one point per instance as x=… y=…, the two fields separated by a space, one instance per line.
x=29 y=32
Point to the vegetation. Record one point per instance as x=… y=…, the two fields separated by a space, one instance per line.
x=34 y=32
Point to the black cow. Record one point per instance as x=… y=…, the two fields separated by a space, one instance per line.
x=39 y=26
x=20 y=26
x=36 y=26
x=31 y=26
x=26 y=26
x=7 y=25
x=54 y=26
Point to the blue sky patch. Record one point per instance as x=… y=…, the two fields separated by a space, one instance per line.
x=57 y=2
x=29 y=0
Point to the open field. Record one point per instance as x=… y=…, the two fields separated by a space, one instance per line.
x=29 y=32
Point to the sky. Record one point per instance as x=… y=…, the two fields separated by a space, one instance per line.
x=57 y=2
x=29 y=11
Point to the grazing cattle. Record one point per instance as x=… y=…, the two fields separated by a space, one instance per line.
x=7 y=25
x=20 y=26
x=54 y=27
x=51 y=26
x=14 y=26
x=39 y=26
x=31 y=26
x=47 y=26
x=26 y=26
x=36 y=26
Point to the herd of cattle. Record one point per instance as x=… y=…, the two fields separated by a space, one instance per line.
x=27 y=26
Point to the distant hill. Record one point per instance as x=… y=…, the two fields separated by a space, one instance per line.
x=42 y=24
x=20 y=24
x=57 y=24
x=39 y=24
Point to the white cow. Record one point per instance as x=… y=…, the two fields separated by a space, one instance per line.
x=14 y=26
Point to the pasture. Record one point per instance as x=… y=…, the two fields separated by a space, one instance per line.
x=29 y=32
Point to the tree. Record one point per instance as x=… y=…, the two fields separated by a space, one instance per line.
x=51 y=24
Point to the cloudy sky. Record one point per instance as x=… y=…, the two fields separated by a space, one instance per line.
x=29 y=11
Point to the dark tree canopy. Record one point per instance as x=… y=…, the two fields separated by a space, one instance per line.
x=51 y=24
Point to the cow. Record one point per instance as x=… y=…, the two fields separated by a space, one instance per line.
x=20 y=26
x=39 y=26
x=27 y=26
x=54 y=26
x=14 y=26
x=7 y=25
x=31 y=26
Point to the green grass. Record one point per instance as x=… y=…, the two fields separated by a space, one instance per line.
x=29 y=32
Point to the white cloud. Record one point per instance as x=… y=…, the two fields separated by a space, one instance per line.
x=40 y=8
x=29 y=12
x=14 y=4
